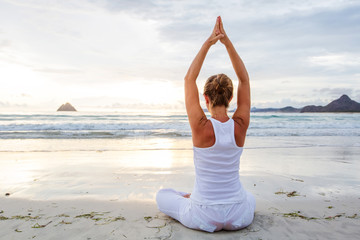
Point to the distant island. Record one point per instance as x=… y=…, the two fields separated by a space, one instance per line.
x=66 y=107
x=343 y=104
x=287 y=109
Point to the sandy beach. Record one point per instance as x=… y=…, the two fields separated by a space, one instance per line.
x=305 y=188
x=100 y=101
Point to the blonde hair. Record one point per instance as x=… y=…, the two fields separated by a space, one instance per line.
x=219 y=89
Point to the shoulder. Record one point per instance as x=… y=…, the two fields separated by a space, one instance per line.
x=203 y=136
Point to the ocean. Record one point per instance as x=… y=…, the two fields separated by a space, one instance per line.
x=89 y=125
x=120 y=156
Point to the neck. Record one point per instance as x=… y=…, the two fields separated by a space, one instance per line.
x=219 y=113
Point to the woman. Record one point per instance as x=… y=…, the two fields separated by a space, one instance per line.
x=218 y=200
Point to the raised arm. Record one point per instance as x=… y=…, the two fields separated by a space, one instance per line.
x=194 y=111
x=242 y=113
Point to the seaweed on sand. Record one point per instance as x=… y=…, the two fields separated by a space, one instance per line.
x=3 y=217
x=298 y=215
x=288 y=194
x=37 y=225
x=25 y=217
x=353 y=216
x=148 y=218
x=96 y=216
x=90 y=215
x=333 y=217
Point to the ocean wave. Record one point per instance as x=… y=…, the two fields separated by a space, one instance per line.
x=56 y=125
x=87 y=134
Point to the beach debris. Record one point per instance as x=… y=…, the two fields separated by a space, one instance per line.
x=99 y=216
x=280 y=192
x=298 y=215
x=110 y=220
x=330 y=207
x=24 y=217
x=292 y=194
x=90 y=215
x=63 y=222
x=62 y=215
x=3 y=217
x=1 y=211
x=288 y=194
x=37 y=225
x=333 y=217
x=118 y=218
x=7 y=194
x=298 y=180
x=353 y=216
x=148 y=218
x=17 y=230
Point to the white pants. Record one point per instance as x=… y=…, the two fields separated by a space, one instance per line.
x=208 y=218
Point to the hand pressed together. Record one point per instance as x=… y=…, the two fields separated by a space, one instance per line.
x=218 y=33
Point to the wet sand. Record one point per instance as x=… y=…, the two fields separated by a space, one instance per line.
x=305 y=188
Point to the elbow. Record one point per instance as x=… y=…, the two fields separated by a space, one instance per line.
x=187 y=78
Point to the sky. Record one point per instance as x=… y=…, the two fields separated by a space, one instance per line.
x=128 y=54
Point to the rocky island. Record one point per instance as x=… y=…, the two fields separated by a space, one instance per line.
x=66 y=107
x=343 y=104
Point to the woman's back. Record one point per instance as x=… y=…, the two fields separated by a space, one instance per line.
x=218 y=200
x=217 y=168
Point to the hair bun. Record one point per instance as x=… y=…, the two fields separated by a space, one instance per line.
x=219 y=89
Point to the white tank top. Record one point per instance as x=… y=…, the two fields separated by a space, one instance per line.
x=217 y=168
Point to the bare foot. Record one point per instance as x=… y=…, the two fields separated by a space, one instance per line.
x=187 y=195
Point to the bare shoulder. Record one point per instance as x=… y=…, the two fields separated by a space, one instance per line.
x=240 y=127
x=204 y=136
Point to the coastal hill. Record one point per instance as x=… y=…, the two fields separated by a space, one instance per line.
x=66 y=107
x=287 y=109
x=343 y=104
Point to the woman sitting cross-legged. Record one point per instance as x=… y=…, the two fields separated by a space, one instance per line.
x=218 y=200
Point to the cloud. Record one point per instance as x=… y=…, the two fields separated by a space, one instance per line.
x=58 y=70
x=335 y=92
x=339 y=62
x=146 y=106
x=291 y=48
x=25 y=95
x=12 y=106
x=284 y=102
x=74 y=7
x=4 y=43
